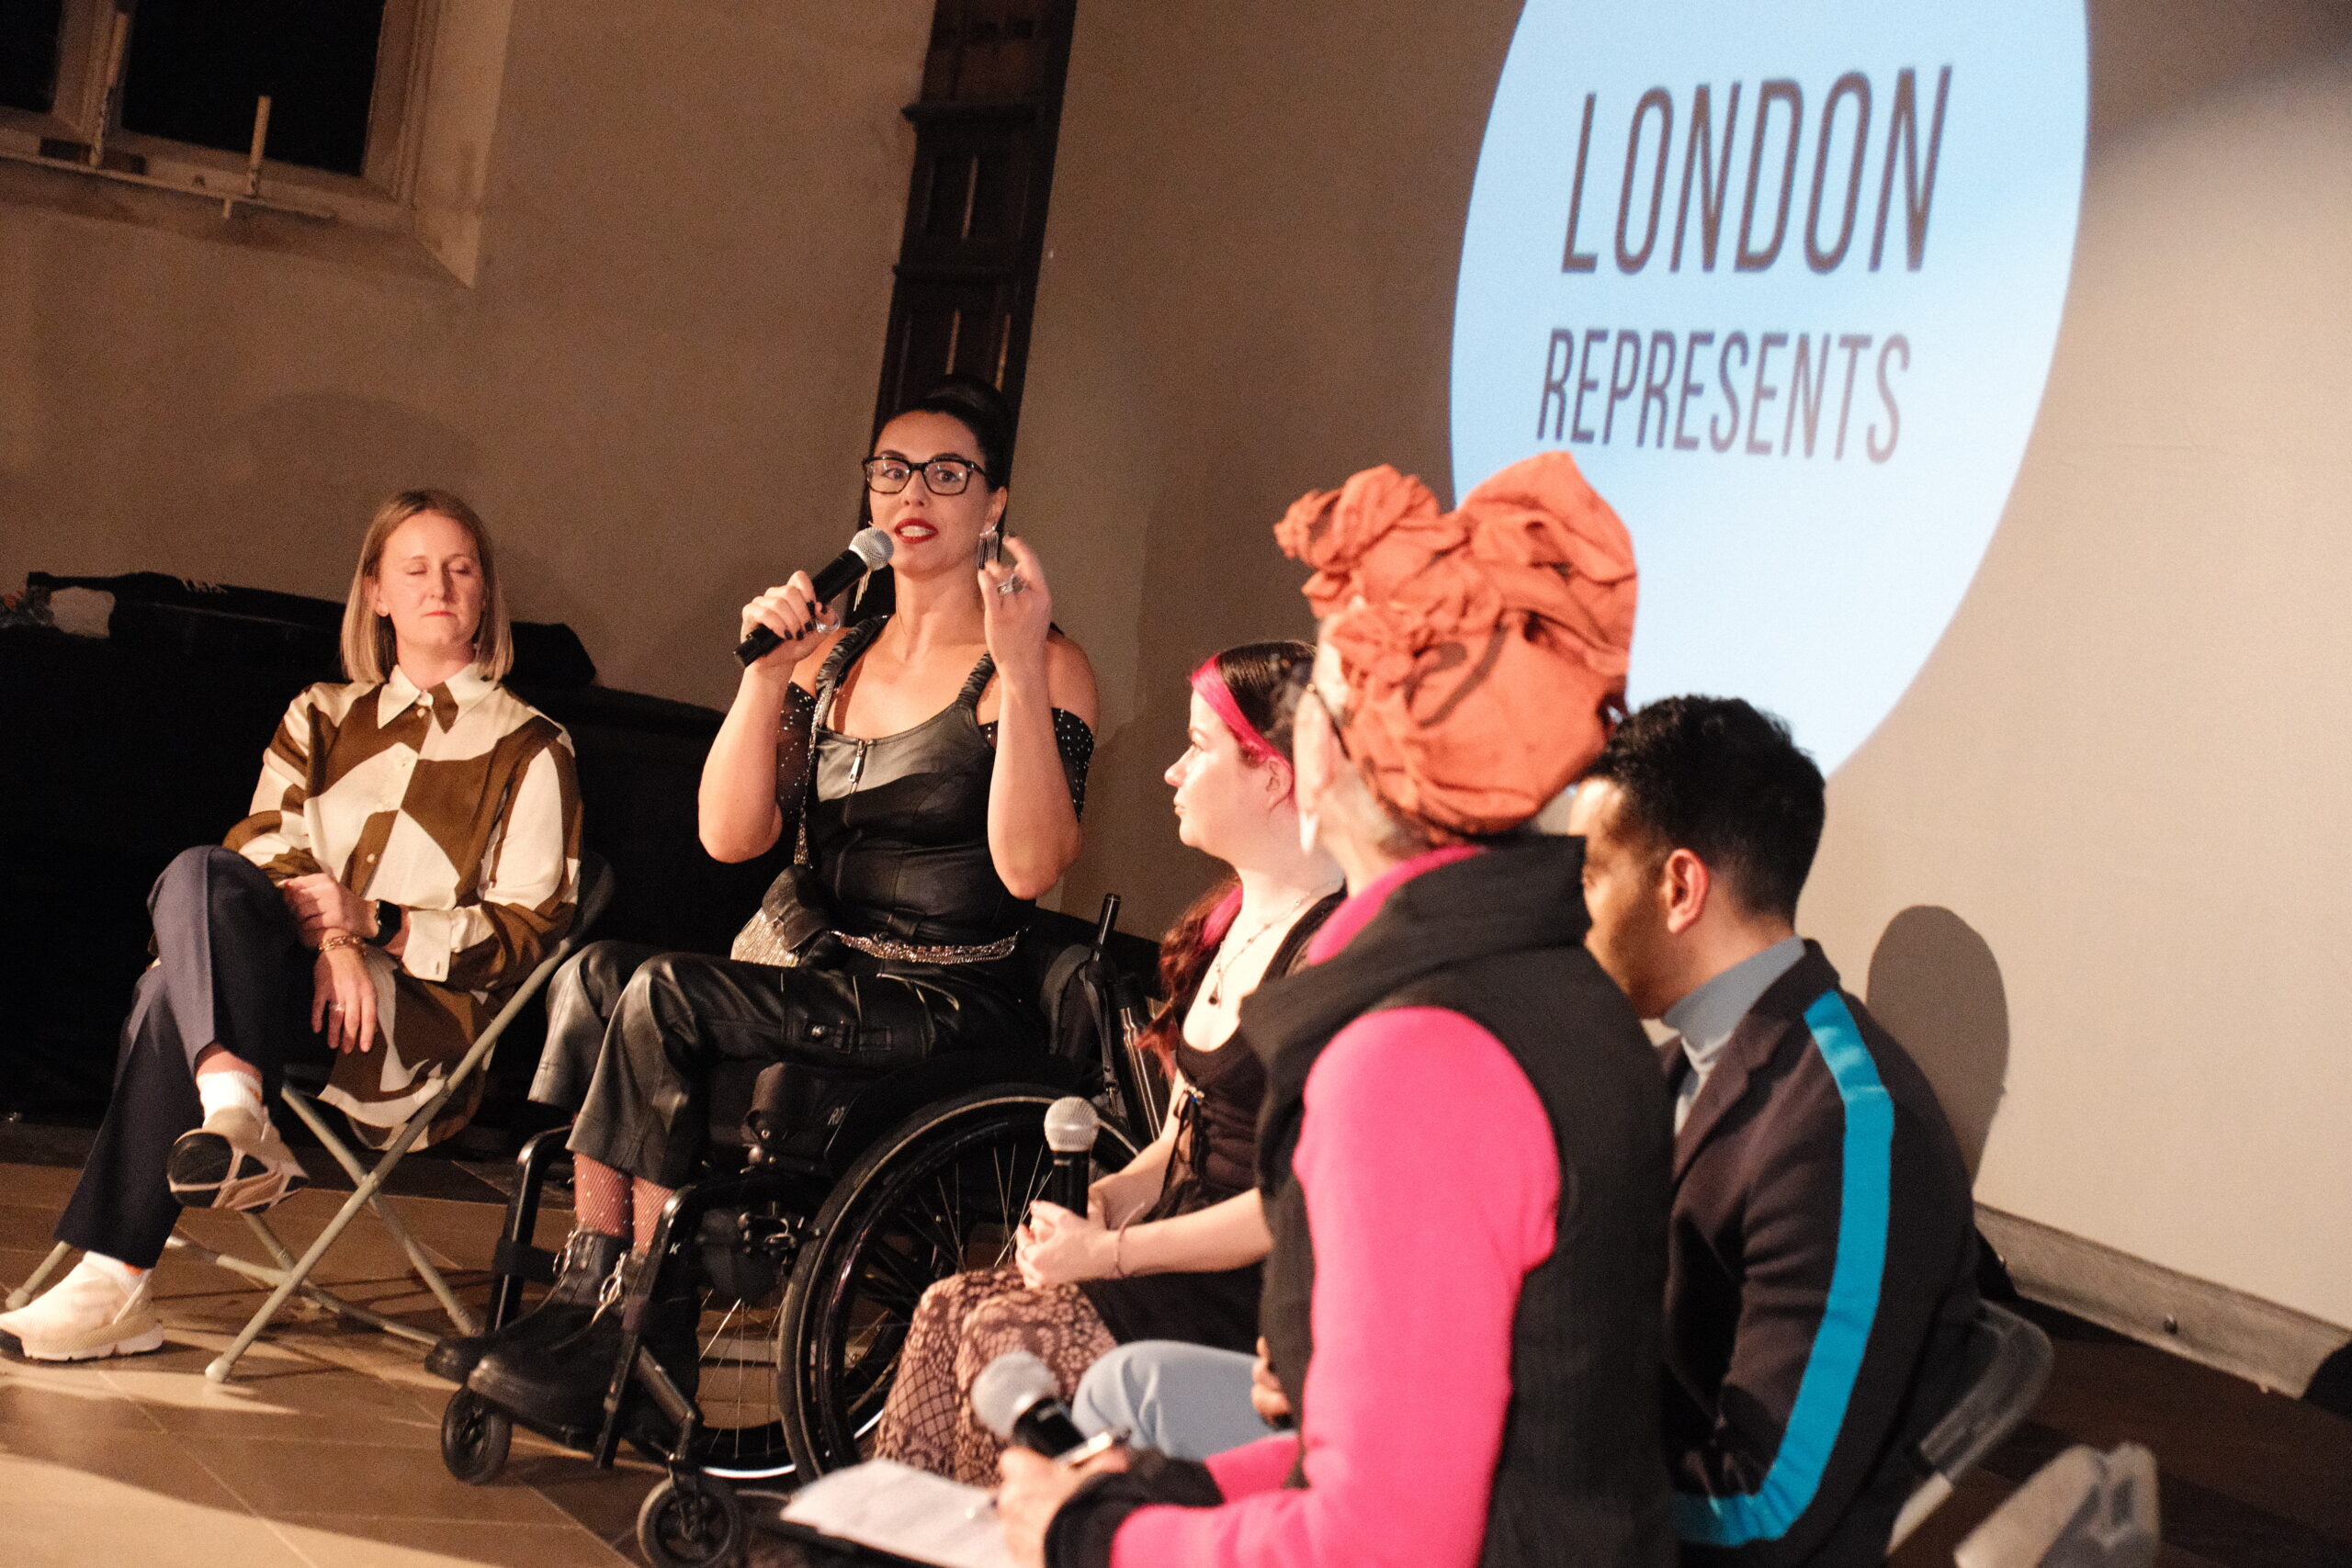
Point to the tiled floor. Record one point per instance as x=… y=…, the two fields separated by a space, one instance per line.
x=323 y=1453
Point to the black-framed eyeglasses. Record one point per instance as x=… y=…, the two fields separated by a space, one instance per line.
x=889 y=475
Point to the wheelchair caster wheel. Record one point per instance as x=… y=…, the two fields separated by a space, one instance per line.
x=474 y=1437
x=691 y=1521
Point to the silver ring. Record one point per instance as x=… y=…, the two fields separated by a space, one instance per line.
x=1010 y=585
x=335 y=1007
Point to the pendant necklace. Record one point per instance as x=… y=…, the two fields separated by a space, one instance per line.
x=1229 y=954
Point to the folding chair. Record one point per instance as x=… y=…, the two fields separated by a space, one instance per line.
x=2084 y=1509
x=289 y=1274
x=2008 y=1362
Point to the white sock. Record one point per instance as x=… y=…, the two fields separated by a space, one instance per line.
x=113 y=1268
x=220 y=1089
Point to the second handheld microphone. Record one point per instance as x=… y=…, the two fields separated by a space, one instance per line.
x=871 y=549
x=1016 y=1398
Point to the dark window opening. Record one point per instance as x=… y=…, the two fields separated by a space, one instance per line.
x=29 y=30
x=196 y=67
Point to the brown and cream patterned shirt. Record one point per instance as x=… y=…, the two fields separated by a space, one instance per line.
x=459 y=804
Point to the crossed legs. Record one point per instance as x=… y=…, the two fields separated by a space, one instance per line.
x=211 y=1026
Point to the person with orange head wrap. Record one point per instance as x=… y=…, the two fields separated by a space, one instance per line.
x=1463 y=1154
x=1483 y=650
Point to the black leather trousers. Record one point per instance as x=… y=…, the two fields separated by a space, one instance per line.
x=634 y=1034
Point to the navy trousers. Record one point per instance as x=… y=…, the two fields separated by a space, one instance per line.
x=230 y=971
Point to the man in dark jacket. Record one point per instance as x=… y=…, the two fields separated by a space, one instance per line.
x=1821 y=1250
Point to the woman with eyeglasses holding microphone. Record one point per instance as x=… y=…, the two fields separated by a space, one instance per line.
x=927 y=766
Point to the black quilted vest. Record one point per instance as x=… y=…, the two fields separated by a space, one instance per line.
x=1499 y=938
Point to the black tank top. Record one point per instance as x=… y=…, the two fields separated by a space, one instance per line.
x=1215 y=1158
x=896 y=828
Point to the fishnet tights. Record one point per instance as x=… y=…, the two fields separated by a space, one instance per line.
x=960 y=1325
x=612 y=1202
x=599 y=1197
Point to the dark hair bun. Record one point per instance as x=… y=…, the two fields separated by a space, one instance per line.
x=983 y=410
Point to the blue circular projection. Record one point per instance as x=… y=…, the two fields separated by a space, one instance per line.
x=1786 y=279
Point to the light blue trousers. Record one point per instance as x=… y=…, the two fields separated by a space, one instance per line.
x=1187 y=1401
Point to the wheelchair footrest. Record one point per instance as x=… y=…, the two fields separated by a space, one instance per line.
x=521 y=1260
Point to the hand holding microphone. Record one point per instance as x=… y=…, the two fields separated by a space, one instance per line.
x=1059 y=1242
x=792 y=614
x=1072 y=1126
x=1015 y=1397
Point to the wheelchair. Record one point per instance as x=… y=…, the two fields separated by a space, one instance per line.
x=828 y=1205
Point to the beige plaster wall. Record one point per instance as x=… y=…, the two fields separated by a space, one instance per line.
x=656 y=394
x=2122 y=767
x=2093 y=864
x=1248 y=292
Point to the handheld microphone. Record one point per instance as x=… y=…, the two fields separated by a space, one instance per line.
x=1014 y=1397
x=1071 y=1125
x=871 y=549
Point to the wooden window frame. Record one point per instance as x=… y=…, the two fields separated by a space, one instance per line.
x=85 y=116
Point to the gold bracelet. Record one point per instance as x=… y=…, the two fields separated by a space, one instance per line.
x=1118 y=1246
x=341 y=939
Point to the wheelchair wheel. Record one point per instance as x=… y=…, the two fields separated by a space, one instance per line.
x=742 y=1256
x=475 y=1435
x=691 y=1521
x=941 y=1193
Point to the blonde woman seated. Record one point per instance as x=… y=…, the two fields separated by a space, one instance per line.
x=1170 y=1246
x=411 y=854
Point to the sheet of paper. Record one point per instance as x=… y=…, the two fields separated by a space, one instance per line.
x=899 y=1510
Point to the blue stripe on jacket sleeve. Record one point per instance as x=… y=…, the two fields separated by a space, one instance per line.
x=1835 y=1358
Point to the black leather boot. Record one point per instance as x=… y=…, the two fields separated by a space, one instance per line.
x=558 y=1385
x=581 y=1268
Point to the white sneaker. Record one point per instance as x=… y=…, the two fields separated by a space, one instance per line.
x=84 y=1315
x=236 y=1160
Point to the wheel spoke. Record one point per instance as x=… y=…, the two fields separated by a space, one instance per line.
x=900 y=1280
x=1035 y=1188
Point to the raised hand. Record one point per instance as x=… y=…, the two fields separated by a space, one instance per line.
x=1017 y=610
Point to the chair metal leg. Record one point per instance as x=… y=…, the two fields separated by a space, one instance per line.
x=261 y=1274
x=49 y=1265
x=298 y=1278
x=294 y=1279
x=277 y=1249
x=369 y=1185
x=459 y=1313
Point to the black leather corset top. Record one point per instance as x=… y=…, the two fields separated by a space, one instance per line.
x=897 y=828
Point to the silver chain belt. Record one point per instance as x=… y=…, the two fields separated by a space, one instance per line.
x=918 y=953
